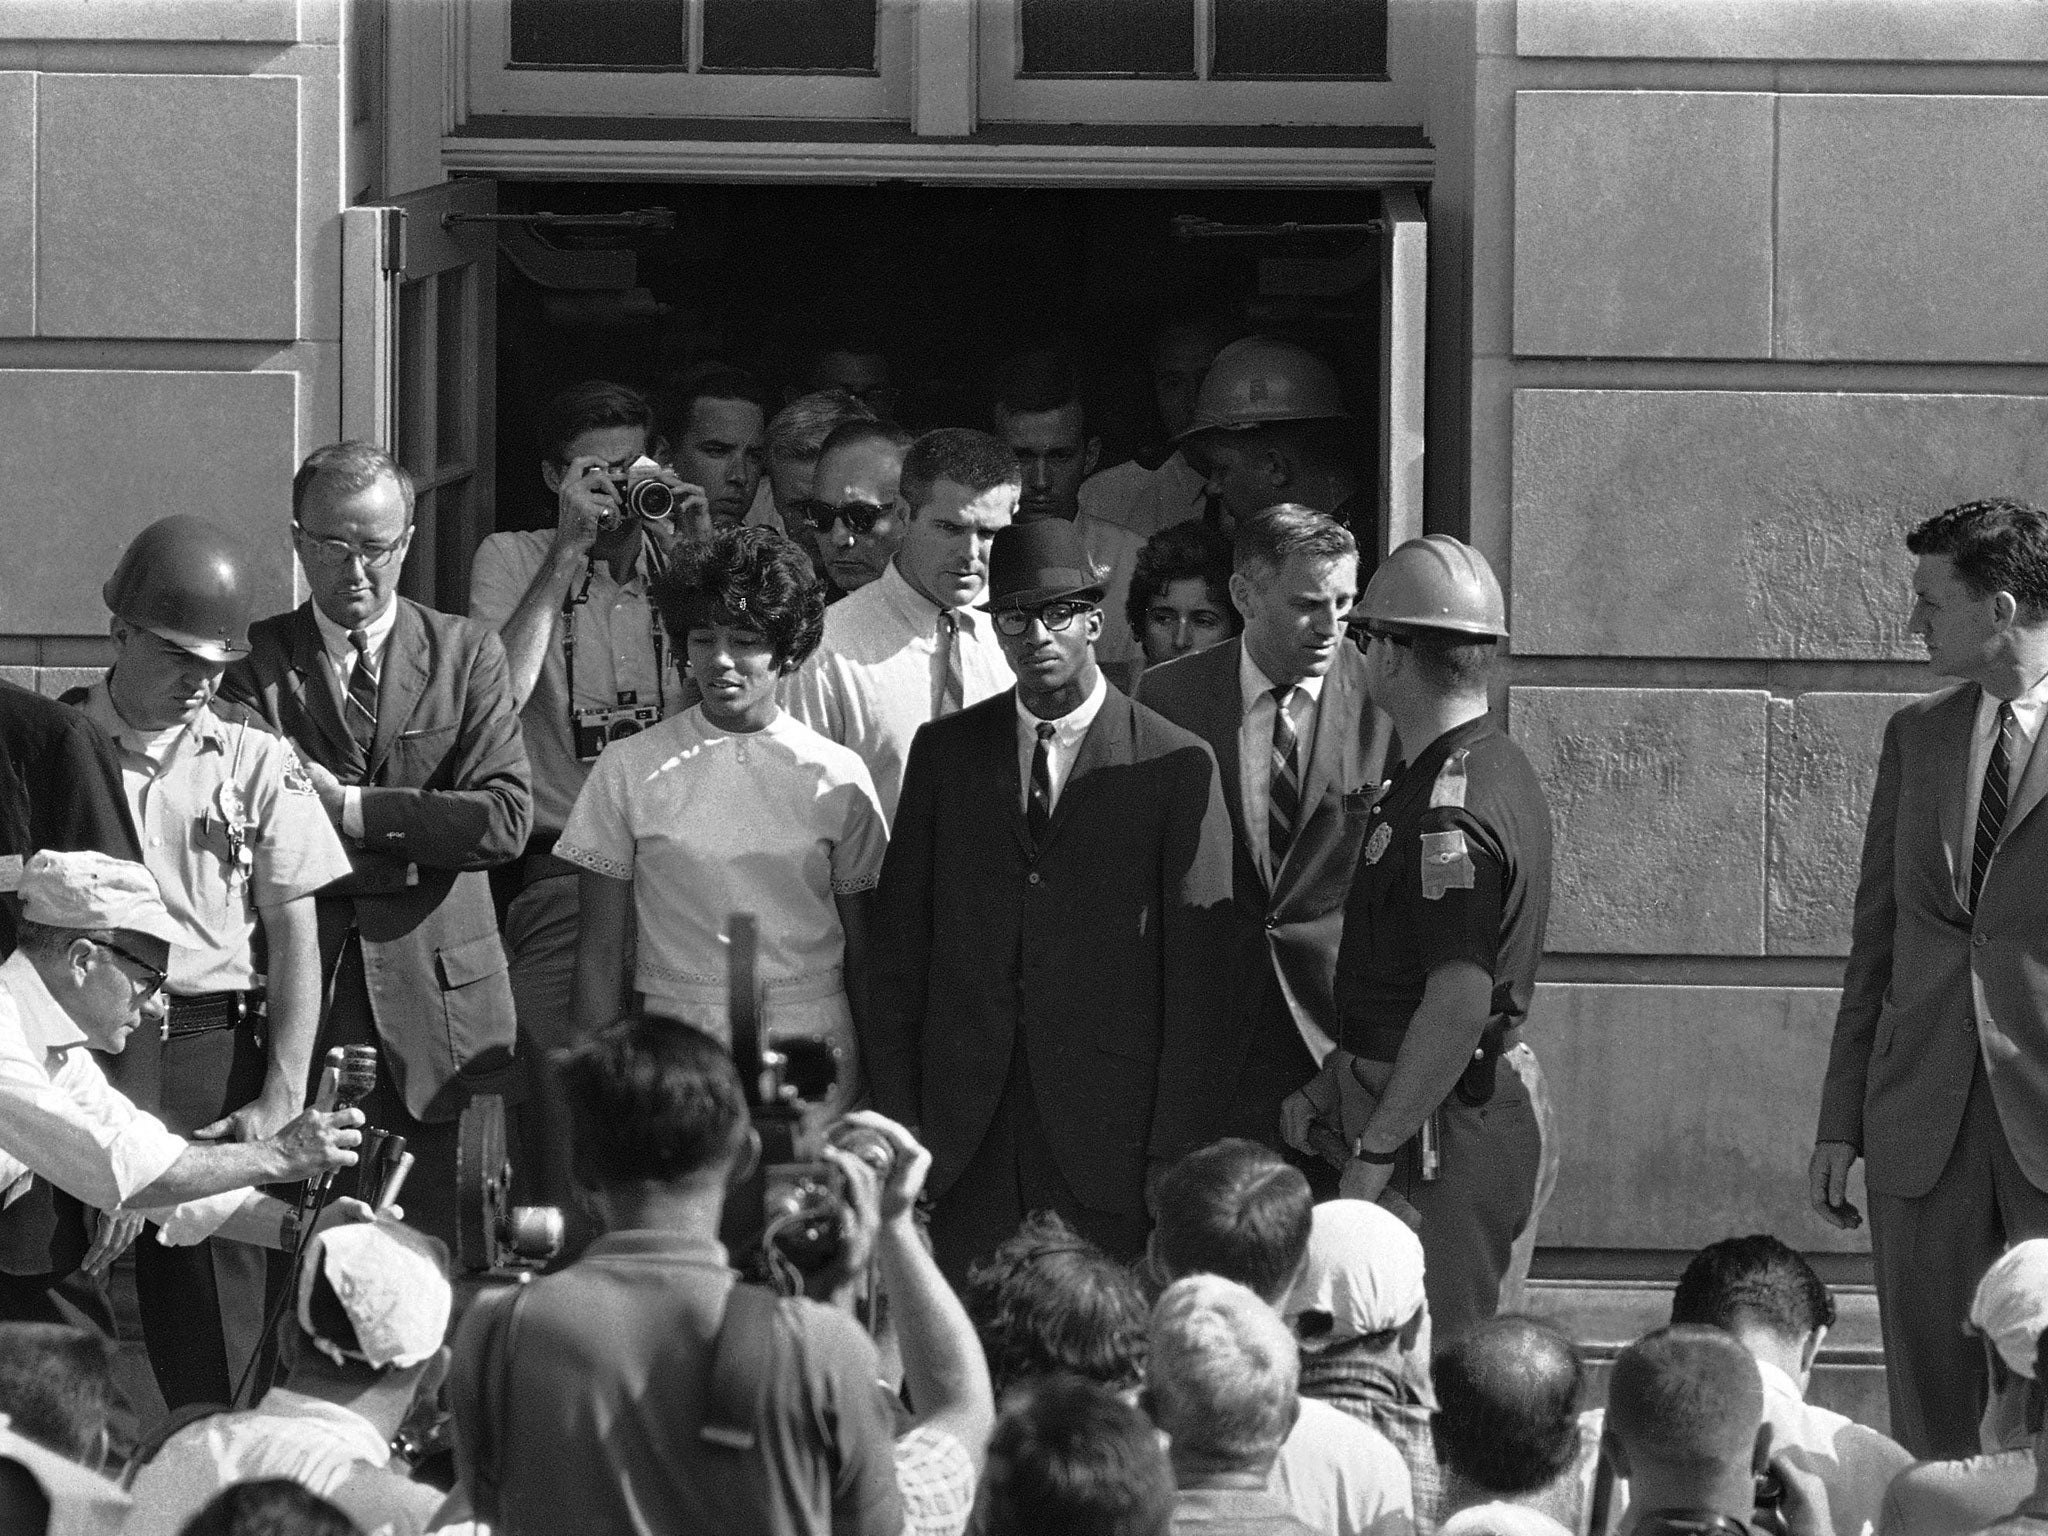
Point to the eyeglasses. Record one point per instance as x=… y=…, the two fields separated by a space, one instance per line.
x=153 y=980
x=1365 y=632
x=1054 y=616
x=338 y=552
x=860 y=516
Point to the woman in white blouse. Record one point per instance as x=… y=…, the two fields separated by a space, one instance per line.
x=731 y=806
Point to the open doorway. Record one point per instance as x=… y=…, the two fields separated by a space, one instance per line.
x=947 y=280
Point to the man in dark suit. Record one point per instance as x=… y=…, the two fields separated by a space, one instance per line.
x=406 y=723
x=1938 y=1077
x=1053 y=932
x=1298 y=780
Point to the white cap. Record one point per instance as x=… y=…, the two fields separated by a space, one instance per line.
x=94 y=890
x=2011 y=1306
x=393 y=1284
x=1364 y=1270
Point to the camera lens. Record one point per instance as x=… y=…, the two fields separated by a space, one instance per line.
x=620 y=729
x=652 y=498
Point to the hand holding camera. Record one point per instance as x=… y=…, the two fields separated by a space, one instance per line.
x=597 y=498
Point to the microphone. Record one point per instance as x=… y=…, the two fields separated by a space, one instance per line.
x=355 y=1079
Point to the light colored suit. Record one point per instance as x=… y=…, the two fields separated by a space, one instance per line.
x=1938 y=1073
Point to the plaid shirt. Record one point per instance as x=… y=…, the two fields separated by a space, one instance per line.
x=935 y=1479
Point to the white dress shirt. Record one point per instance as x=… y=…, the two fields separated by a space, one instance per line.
x=1065 y=745
x=2027 y=713
x=1854 y=1463
x=869 y=684
x=1255 y=748
x=59 y=1117
x=341 y=665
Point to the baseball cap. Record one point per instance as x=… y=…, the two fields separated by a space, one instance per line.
x=94 y=890
x=1363 y=1271
x=392 y=1283
x=2011 y=1305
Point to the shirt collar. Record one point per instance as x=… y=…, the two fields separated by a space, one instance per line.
x=1073 y=725
x=345 y=1424
x=1252 y=681
x=98 y=707
x=335 y=638
x=44 y=1023
x=2028 y=707
x=1776 y=1379
x=916 y=610
x=655 y=1242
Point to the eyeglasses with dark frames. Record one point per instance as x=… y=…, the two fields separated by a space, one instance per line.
x=860 y=516
x=1054 y=616
x=153 y=980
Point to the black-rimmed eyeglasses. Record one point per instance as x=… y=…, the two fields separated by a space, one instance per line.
x=1054 y=616
x=153 y=980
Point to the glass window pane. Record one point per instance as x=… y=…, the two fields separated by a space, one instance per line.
x=601 y=34
x=789 y=35
x=1300 y=40
x=1109 y=37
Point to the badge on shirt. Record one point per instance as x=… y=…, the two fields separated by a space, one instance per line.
x=1449 y=788
x=296 y=780
x=1376 y=845
x=1446 y=864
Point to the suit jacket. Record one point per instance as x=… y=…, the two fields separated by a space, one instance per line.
x=1286 y=932
x=446 y=797
x=1931 y=986
x=1105 y=948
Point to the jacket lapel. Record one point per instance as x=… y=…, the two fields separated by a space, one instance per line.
x=1226 y=714
x=311 y=680
x=1108 y=742
x=401 y=683
x=1951 y=725
x=2033 y=788
x=1002 y=746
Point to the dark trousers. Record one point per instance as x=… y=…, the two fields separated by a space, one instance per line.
x=1012 y=1174
x=71 y=1299
x=1276 y=1064
x=203 y=1305
x=1929 y=1253
x=428 y=1200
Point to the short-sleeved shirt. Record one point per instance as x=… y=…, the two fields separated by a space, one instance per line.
x=229 y=822
x=620 y=651
x=873 y=680
x=705 y=823
x=1455 y=866
x=1337 y=1475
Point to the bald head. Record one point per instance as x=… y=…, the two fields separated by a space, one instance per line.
x=1686 y=1398
x=1508 y=1405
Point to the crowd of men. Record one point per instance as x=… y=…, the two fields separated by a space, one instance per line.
x=1138 y=861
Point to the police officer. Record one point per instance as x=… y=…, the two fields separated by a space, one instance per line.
x=1431 y=1104
x=234 y=834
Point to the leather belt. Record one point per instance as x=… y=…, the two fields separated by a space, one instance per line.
x=205 y=1011
x=1378 y=1042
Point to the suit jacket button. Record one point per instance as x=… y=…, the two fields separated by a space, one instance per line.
x=1272 y=922
x=1977 y=939
x=1032 y=877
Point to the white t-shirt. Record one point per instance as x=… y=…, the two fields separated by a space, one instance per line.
x=706 y=823
x=1855 y=1463
x=1341 y=1476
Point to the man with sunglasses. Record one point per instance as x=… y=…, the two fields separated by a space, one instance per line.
x=1431 y=1103
x=234 y=834
x=407 y=724
x=1052 y=924
x=855 y=511
x=95 y=944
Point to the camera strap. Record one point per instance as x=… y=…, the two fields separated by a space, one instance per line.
x=742 y=1365
x=579 y=597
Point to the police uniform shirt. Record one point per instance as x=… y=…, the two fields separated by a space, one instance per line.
x=1456 y=866
x=229 y=821
x=616 y=630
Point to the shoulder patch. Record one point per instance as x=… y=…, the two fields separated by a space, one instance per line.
x=296 y=780
x=1449 y=788
x=1446 y=864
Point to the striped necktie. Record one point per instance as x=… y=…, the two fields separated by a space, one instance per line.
x=361 y=708
x=1283 y=797
x=1038 y=809
x=1992 y=802
x=949 y=693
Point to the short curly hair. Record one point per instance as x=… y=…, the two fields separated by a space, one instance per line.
x=1176 y=553
x=1048 y=1300
x=755 y=576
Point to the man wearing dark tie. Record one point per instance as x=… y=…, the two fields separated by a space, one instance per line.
x=1301 y=750
x=1052 y=928
x=407 y=725
x=1938 y=1077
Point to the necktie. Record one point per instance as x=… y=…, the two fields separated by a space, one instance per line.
x=1038 y=813
x=948 y=694
x=361 y=708
x=1283 y=798
x=1991 y=803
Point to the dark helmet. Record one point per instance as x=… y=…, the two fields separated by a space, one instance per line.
x=184 y=579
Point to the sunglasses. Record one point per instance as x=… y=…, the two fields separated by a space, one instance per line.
x=153 y=980
x=1054 y=616
x=860 y=516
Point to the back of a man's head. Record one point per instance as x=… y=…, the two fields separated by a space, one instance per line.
x=652 y=1100
x=1220 y=1380
x=56 y=1383
x=1686 y=1400
x=271 y=1506
x=1753 y=1282
x=1507 y=1418
x=1073 y=1458
x=1048 y=1300
x=1238 y=1210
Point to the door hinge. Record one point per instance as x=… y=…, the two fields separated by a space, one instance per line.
x=394 y=240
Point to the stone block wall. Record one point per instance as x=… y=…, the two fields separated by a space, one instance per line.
x=170 y=269
x=1751 y=289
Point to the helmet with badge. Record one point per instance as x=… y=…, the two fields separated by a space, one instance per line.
x=1261 y=380
x=1435 y=582
x=185 y=580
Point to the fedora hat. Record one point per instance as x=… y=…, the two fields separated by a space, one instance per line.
x=1039 y=562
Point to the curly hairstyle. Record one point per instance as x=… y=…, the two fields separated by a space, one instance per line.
x=1048 y=1300
x=754 y=576
x=1173 y=554
x=1755 y=1279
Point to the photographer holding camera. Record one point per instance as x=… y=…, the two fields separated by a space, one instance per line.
x=590 y=665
